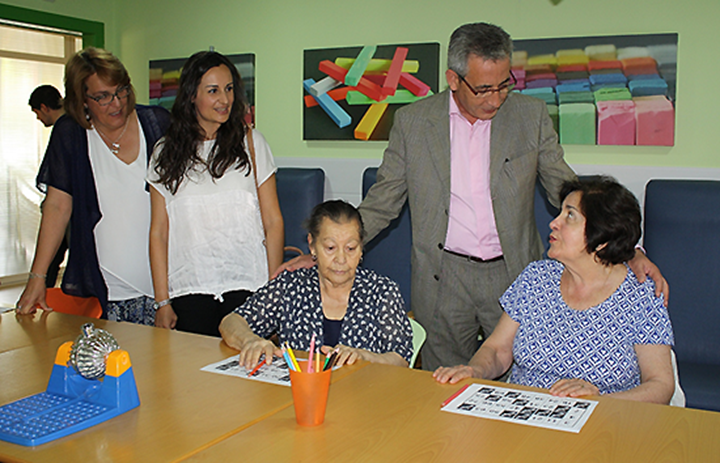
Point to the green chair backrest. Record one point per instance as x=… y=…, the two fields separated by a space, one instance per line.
x=419 y=336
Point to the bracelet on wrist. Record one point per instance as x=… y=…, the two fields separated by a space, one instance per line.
x=37 y=275
x=157 y=305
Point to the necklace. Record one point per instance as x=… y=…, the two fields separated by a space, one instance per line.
x=114 y=146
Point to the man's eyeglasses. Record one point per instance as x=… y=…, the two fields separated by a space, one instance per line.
x=502 y=89
x=106 y=98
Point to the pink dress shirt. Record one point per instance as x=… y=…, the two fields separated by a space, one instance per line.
x=471 y=226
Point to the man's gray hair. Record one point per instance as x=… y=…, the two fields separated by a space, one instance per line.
x=484 y=40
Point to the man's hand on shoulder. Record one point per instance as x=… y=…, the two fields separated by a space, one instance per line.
x=304 y=261
x=642 y=267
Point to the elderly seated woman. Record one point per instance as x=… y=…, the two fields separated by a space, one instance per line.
x=355 y=310
x=581 y=324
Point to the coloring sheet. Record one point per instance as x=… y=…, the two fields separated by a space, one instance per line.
x=524 y=407
x=275 y=373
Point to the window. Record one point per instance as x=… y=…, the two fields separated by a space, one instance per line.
x=29 y=56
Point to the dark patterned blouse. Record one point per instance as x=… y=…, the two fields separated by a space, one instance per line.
x=290 y=306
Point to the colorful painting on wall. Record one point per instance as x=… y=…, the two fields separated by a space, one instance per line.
x=165 y=78
x=610 y=90
x=352 y=93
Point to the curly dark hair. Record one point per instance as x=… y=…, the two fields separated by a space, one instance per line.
x=180 y=144
x=612 y=217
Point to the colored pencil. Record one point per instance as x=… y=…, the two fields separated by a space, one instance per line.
x=329 y=358
x=449 y=399
x=311 y=353
x=254 y=370
x=333 y=359
x=292 y=357
x=288 y=361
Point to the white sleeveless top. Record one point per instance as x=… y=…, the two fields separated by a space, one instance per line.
x=121 y=236
x=216 y=237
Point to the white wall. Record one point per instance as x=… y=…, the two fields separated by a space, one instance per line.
x=343 y=177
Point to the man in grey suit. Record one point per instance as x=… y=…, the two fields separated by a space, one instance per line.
x=467 y=160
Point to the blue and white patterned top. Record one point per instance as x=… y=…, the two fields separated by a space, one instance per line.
x=556 y=342
x=290 y=306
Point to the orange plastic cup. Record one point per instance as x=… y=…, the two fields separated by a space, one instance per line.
x=310 y=393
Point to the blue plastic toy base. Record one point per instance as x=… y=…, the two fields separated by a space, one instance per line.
x=70 y=404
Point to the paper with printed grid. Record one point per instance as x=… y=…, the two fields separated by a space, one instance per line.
x=275 y=373
x=522 y=407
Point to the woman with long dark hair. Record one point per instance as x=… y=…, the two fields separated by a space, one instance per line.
x=216 y=229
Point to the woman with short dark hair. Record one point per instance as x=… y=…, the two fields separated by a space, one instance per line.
x=612 y=217
x=582 y=324
x=349 y=308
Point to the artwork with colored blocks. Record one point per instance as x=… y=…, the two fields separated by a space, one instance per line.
x=165 y=79
x=608 y=90
x=374 y=81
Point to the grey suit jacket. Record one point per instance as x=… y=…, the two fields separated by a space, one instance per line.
x=416 y=167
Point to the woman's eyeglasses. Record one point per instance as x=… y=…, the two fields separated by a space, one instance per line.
x=105 y=98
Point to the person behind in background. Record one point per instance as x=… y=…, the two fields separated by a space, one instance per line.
x=94 y=176
x=582 y=324
x=217 y=229
x=47 y=104
x=349 y=308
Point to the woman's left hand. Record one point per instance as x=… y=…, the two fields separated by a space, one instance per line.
x=347 y=355
x=573 y=388
x=165 y=317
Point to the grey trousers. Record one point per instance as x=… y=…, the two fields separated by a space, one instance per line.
x=467 y=306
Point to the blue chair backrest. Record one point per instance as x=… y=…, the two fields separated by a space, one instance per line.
x=682 y=237
x=299 y=190
x=389 y=252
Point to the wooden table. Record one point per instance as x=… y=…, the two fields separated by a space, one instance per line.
x=25 y=330
x=378 y=413
x=183 y=410
x=390 y=414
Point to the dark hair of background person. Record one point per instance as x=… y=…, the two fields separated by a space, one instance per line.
x=46 y=95
x=484 y=40
x=84 y=64
x=612 y=217
x=180 y=145
x=338 y=211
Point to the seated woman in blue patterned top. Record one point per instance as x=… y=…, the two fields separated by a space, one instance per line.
x=354 y=309
x=581 y=324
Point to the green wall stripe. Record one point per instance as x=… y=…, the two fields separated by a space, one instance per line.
x=93 y=32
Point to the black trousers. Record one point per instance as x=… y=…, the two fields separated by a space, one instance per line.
x=202 y=313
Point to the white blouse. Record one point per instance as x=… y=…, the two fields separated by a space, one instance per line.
x=121 y=235
x=216 y=237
